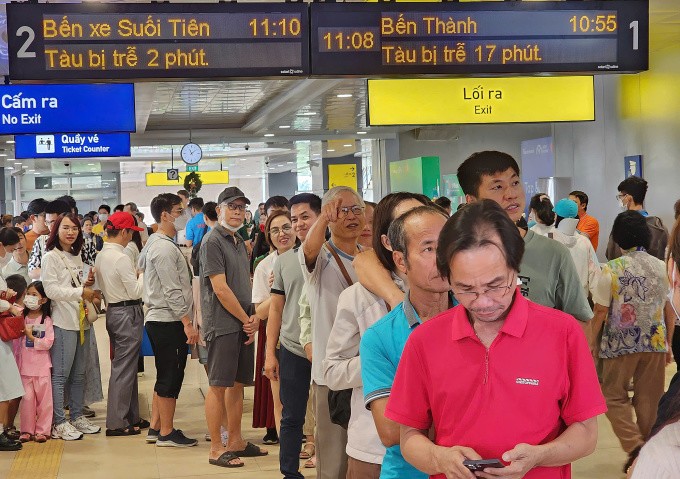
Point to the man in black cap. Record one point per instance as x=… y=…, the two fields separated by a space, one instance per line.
x=229 y=328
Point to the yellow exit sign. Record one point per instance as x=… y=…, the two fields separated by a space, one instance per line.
x=207 y=177
x=480 y=100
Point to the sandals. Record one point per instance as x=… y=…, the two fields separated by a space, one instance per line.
x=124 y=431
x=25 y=437
x=12 y=433
x=251 y=450
x=311 y=463
x=142 y=424
x=225 y=460
x=308 y=451
x=40 y=438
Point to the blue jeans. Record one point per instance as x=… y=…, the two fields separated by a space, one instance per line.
x=294 y=375
x=68 y=367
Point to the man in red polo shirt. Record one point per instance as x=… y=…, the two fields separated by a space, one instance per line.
x=497 y=377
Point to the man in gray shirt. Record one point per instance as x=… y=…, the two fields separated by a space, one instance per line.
x=294 y=369
x=168 y=295
x=228 y=328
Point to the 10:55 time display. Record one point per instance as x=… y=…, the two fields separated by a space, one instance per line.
x=599 y=24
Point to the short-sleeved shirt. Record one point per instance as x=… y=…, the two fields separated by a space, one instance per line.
x=591 y=227
x=264 y=269
x=380 y=352
x=324 y=285
x=195 y=229
x=549 y=277
x=223 y=253
x=289 y=282
x=634 y=288
x=536 y=379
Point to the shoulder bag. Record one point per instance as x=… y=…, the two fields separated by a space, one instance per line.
x=91 y=312
x=340 y=402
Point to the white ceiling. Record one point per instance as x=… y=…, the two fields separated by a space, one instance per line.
x=281 y=121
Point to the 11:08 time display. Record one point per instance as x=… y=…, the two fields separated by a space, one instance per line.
x=336 y=40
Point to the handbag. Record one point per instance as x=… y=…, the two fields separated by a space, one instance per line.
x=11 y=327
x=340 y=402
x=91 y=311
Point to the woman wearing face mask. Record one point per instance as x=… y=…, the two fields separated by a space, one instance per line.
x=660 y=456
x=62 y=269
x=267 y=407
x=18 y=264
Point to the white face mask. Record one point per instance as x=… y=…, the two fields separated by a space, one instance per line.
x=103 y=217
x=233 y=229
x=32 y=302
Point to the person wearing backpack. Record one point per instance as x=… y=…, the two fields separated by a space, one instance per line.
x=631 y=197
x=196 y=227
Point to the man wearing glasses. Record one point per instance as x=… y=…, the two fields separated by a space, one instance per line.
x=229 y=327
x=497 y=377
x=631 y=197
x=328 y=271
x=52 y=211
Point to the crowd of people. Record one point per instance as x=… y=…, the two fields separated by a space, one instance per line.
x=388 y=340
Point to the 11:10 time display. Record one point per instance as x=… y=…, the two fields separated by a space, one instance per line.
x=272 y=28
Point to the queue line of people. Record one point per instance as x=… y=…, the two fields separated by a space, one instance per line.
x=379 y=316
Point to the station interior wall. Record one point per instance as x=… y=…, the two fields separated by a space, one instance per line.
x=634 y=115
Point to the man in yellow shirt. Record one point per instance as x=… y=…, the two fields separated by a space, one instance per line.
x=103 y=212
x=586 y=224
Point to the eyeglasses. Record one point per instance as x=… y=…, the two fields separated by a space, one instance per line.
x=234 y=207
x=621 y=196
x=344 y=211
x=277 y=231
x=69 y=229
x=492 y=293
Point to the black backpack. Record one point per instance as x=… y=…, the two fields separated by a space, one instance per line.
x=195 y=251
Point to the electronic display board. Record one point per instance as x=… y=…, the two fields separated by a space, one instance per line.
x=386 y=39
x=104 y=41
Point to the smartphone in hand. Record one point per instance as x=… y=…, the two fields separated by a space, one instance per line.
x=481 y=464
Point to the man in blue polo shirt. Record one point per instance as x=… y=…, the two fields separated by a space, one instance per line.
x=413 y=237
x=196 y=227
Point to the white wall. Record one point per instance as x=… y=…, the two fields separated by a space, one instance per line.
x=635 y=114
x=137 y=192
x=471 y=138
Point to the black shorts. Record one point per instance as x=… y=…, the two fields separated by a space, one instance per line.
x=169 y=344
x=230 y=360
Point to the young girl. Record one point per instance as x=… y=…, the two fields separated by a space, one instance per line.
x=34 y=366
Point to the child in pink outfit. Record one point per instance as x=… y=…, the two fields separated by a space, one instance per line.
x=35 y=365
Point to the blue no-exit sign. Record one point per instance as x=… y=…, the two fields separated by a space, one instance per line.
x=37 y=109
x=72 y=145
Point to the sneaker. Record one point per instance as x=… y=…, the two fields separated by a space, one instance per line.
x=85 y=426
x=66 y=431
x=152 y=436
x=7 y=444
x=88 y=412
x=175 y=439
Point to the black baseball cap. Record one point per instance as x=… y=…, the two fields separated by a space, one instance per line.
x=230 y=194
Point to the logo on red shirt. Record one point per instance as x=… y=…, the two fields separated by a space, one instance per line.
x=528 y=382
